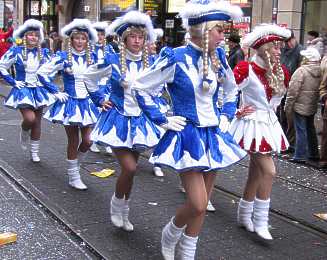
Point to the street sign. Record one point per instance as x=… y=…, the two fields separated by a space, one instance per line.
x=169 y=24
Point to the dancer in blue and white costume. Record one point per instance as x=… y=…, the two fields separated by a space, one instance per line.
x=124 y=127
x=27 y=93
x=74 y=108
x=101 y=49
x=193 y=73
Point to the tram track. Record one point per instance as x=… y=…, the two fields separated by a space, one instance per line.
x=281 y=214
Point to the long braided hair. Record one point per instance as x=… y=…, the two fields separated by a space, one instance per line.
x=275 y=73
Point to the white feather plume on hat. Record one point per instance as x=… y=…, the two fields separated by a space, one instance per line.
x=159 y=33
x=100 y=26
x=264 y=30
x=202 y=8
x=80 y=25
x=29 y=25
x=133 y=18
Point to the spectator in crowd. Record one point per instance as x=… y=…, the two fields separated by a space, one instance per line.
x=113 y=42
x=291 y=58
x=315 y=41
x=55 y=42
x=301 y=101
x=323 y=99
x=236 y=53
x=4 y=37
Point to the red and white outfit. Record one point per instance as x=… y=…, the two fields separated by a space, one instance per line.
x=260 y=131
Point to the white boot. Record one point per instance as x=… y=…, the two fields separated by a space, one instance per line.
x=94 y=148
x=260 y=218
x=244 y=214
x=35 y=147
x=74 y=178
x=127 y=225
x=187 y=247
x=116 y=211
x=24 y=138
x=210 y=207
x=158 y=172
x=108 y=150
x=169 y=238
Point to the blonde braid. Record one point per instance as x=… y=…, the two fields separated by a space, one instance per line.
x=123 y=65
x=205 y=44
x=216 y=66
x=24 y=49
x=39 y=52
x=88 y=54
x=274 y=81
x=145 y=57
x=69 y=56
x=104 y=45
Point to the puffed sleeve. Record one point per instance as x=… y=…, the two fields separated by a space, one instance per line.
x=48 y=70
x=150 y=82
x=241 y=74
x=7 y=60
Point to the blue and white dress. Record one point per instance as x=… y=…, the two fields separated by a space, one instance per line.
x=32 y=95
x=100 y=53
x=79 y=109
x=125 y=126
x=200 y=145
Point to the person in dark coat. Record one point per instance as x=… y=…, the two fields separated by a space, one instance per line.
x=236 y=53
x=291 y=58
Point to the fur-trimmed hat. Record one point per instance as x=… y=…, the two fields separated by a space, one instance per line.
x=132 y=18
x=201 y=11
x=159 y=33
x=265 y=33
x=80 y=25
x=29 y=25
x=100 y=26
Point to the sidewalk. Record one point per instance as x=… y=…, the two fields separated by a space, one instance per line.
x=154 y=201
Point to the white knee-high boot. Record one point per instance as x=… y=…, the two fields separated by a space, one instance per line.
x=116 y=211
x=35 y=147
x=169 y=238
x=187 y=247
x=260 y=218
x=244 y=214
x=127 y=225
x=74 y=177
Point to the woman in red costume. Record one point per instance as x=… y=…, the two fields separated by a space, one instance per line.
x=263 y=83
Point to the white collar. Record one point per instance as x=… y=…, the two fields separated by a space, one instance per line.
x=195 y=46
x=133 y=57
x=259 y=61
x=78 y=53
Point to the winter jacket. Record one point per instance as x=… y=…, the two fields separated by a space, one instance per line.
x=318 y=44
x=303 y=92
x=291 y=57
x=323 y=84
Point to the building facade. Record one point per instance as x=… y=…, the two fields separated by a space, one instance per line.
x=299 y=15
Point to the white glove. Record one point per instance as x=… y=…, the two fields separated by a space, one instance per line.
x=175 y=123
x=61 y=96
x=19 y=84
x=224 y=123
